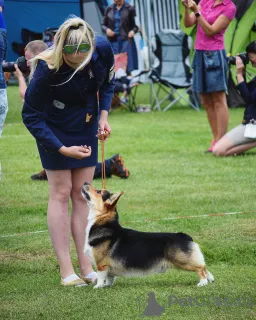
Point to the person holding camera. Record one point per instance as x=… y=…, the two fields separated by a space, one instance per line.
x=32 y=49
x=113 y=165
x=3 y=48
x=237 y=141
x=210 y=68
x=66 y=105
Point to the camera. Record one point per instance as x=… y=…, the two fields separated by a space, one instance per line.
x=21 y=63
x=244 y=57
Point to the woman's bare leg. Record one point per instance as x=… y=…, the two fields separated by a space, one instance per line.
x=240 y=149
x=224 y=147
x=207 y=103
x=79 y=216
x=220 y=107
x=60 y=185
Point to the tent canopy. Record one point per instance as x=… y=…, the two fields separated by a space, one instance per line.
x=36 y=16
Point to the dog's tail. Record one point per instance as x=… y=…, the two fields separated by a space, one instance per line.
x=197 y=257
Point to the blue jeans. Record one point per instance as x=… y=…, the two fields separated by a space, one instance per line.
x=128 y=46
x=3 y=94
x=3 y=48
x=119 y=46
x=3 y=108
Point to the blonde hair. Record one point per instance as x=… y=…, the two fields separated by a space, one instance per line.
x=73 y=31
x=36 y=46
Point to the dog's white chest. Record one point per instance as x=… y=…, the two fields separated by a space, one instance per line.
x=87 y=247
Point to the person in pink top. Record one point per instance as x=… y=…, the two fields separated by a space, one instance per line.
x=209 y=65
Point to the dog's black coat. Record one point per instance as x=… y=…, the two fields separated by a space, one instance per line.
x=138 y=250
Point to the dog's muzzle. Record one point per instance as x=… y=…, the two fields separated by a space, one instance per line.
x=85 y=188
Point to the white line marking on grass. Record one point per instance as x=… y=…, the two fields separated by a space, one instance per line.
x=192 y=217
x=146 y=220
x=22 y=234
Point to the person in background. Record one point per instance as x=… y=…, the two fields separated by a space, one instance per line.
x=234 y=142
x=3 y=48
x=120 y=28
x=32 y=49
x=66 y=108
x=113 y=166
x=210 y=60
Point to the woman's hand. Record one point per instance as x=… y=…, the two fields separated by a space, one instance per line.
x=239 y=66
x=76 y=152
x=131 y=34
x=18 y=74
x=104 y=127
x=110 y=33
x=192 y=6
x=239 y=70
x=185 y=3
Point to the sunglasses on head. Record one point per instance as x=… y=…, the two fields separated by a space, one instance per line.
x=71 y=48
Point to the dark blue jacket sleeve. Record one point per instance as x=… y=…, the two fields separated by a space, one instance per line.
x=32 y=112
x=107 y=89
x=247 y=92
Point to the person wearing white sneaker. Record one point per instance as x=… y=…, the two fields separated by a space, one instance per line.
x=73 y=280
x=67 y=101
x=91 y=278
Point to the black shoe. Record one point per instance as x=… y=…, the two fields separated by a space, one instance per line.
x=39 y=176
x=117 y=167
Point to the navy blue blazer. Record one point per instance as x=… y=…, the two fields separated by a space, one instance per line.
x=55 y=112
x=248 y=92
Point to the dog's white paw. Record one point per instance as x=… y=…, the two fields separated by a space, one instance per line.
x=210 y=277
x=110 y=281
x=202 y=282
x=100 y=285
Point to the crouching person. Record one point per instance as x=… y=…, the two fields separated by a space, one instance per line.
x=240 y=139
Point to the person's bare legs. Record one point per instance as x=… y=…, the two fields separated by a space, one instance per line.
x=224 y=147
x=221 y=113
x=79 y=216
x=207 y=103
x=60 y=185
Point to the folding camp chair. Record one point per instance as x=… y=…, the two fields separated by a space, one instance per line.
x=128 y=84
x=173 y=71
x=124 y=83
x=136 y=80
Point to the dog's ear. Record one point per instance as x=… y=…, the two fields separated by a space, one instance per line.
x=113 y=199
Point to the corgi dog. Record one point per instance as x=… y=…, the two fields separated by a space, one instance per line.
x=117 y=251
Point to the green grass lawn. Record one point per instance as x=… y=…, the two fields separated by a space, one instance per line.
x=171 y=176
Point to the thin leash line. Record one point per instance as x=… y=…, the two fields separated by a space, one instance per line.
x=146 y=220
x=103 y=171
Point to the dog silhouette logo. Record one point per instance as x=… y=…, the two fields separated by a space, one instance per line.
x=150 y=308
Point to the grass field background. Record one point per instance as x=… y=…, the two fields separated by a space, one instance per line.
x=171 y=176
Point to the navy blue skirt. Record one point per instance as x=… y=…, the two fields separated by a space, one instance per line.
x=57 y=161
x=210 y=71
